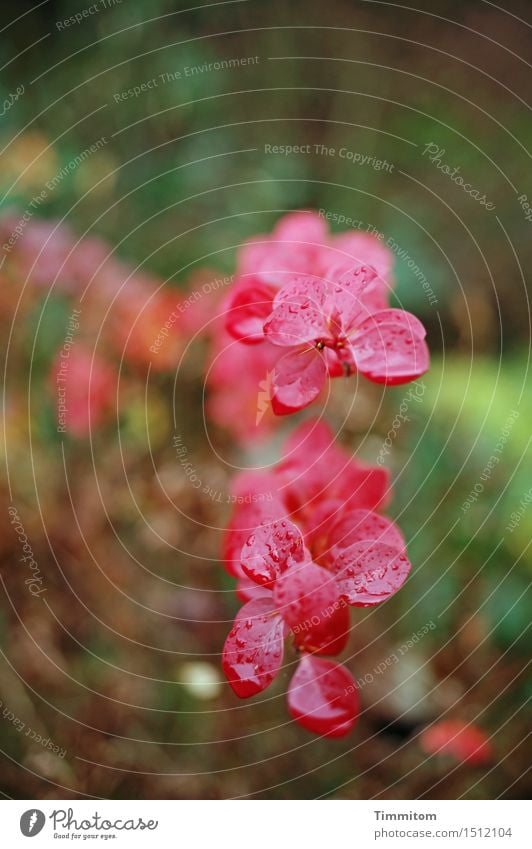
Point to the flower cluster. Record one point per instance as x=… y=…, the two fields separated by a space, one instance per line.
x=307 y=539
x=306 y=542
x=323 y=301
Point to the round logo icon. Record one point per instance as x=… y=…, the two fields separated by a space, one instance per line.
x=32 y=822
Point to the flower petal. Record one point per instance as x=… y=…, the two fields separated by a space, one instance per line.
x=346 y=291
x=311 y=438
x=370 y=572
x=247 y=308
x=270 y=549
x=245 y=519
x=295 y=247
x=389 y=347
x=334 y=362
x=253 y=650
x=365 y=486
x=315 y=468
x=323 y=698
x=300 y=313
x=307 y=598
x=298 y=379
x=364 y=248
x=362 y=525
x=301 y=226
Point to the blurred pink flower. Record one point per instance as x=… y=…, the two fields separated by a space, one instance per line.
x=84 y=387
x=460 y=740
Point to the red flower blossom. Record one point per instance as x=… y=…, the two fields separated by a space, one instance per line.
x=363 y=553
x=301 y=575
x=322 y=695
x=305 y=541
x=300 y=244
x=315 y=493
x=326 y=299
x=302 y=600
x=311 y=316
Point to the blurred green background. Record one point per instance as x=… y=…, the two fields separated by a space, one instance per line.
x=182 y=178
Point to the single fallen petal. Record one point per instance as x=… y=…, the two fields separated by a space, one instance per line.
x=462 y=741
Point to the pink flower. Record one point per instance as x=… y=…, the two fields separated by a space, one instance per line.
x=363 y=565
x=84 y=387
x=325 y=299
x=299 y=245
x=364 y=556
x=332 y=500
x=322 y=695
x=458 y=739
x=298 y=598
x=304 y=543
x=315 y=484
x=47 y=254
x=328 y=328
